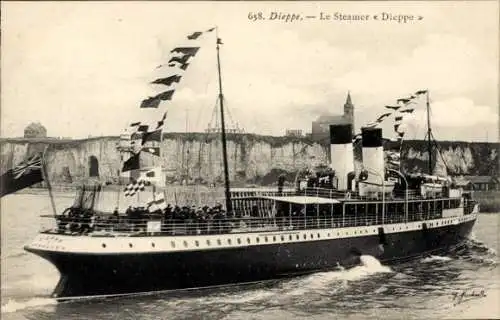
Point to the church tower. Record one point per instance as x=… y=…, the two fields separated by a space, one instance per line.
x=349 y=110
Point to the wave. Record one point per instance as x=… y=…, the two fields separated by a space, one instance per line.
x=475 y=243
x=243 y=297
x=369 y=266
x=482 y=248
x=13 y=305
x=435 y=258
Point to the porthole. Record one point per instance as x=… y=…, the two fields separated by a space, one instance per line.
x=185 y=244
x=219 y=242
x=248 y=240
x=290 y=237
x=305 y=236
x=239 y=241
x=282 y=238
x=312 y=236
x=319 y=236
x=228 y=241
x=338 y=234
x=153 y=244
x=354 y=232
x=274 y=238
x=257 y=239
x=208 y=242
x=104 y=245
x=197 y=243
x=172 y=244
x=328 y=235
x=297 y=237
x=265 y=239
x=130 y=245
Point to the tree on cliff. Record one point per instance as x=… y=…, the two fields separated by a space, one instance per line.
x=35 y=130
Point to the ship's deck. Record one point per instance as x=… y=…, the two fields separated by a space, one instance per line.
x=105 y=224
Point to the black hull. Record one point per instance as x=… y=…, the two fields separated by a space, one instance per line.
x=112 y=274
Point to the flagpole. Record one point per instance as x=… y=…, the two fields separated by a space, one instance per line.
x=227 y=192
x=46 y=178
x=429 y=134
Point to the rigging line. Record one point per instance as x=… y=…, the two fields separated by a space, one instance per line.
x=214 y=115
x=439 y=152
x=434 y=142
x=229 y=114
x=45 y=175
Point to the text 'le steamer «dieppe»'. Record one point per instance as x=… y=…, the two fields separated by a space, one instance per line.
x=336 y=16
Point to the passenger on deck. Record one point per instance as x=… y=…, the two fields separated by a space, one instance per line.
x=128 y=212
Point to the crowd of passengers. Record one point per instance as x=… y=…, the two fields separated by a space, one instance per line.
x=197 y=220
x=83 y=220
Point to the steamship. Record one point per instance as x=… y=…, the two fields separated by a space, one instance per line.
x=330 y=219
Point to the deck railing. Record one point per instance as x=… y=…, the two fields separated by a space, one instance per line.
x=157 y=225
x=336 y=194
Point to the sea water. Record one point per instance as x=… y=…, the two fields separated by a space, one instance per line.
x=464 y=284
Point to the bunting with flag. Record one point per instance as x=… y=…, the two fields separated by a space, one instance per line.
x=407 y=110
x=382 y=117
x=162 y=121
x=404 y=100
x=195 y=35
x=154 y=102
x=393 y=107
x=158 y=203
x=186 y=51
x=179 y=59
x=134 y=187
x=152 y=150
x=152 y=175
x=25 y=174
x=132 y=163
x=168 y=81
x=182 y=66
x=151 y=136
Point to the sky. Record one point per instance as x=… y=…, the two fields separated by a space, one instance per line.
x=82 y=68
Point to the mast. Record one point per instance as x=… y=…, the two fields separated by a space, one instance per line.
x=429 y=135
x=227 y=193
x=46 y=178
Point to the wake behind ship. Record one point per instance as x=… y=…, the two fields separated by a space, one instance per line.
x=332 y=217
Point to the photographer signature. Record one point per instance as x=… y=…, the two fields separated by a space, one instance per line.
x=466 y=295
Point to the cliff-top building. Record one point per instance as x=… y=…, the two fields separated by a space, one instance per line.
x=35 y=130
x=320 y=127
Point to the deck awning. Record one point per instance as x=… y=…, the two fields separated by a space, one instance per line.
x=302 y=199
